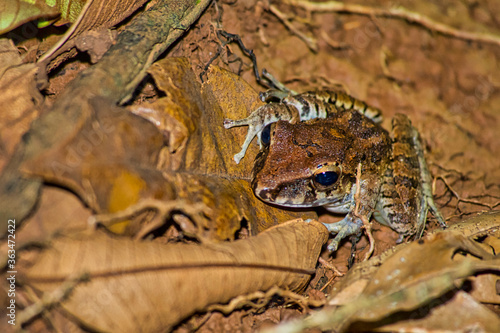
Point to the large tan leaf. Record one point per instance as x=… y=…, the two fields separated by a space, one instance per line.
x=20 y=98
x=147 y=286
x=115 y=78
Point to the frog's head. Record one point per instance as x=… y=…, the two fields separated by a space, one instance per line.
x=307 y=164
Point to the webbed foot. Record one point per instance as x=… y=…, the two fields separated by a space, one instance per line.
x=346 y=227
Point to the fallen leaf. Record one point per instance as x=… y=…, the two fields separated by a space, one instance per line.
x=462 y=313
x=147 y=286
x=20 y=97
x=106 y=160
x=71 y=109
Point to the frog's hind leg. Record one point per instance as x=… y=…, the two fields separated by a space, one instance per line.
x=259 y=119
x=427 y=197
x=405 y=194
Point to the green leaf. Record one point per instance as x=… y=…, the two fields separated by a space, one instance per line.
x=14 y=13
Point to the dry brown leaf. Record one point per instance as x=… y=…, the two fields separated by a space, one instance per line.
x=148 y=286
x=178 y=114
x=58 y=210
x=20 y=98
x=353 y=284
x=461 y=313
x=413 y=263
x=228 y=96
x=71 y=109
x=480 y=225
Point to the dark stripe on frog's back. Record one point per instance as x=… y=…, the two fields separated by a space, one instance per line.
x=306 y=108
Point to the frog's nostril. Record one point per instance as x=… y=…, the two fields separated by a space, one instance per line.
x=263 y=193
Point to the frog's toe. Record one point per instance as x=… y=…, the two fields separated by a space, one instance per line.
x=228 y=123
x=346 y=227
x=333 y=246
x=237 y=157
x=338 y=226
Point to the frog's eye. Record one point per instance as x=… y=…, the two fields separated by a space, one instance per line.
x=326 y=178
x=326 y=174
x=265 y=136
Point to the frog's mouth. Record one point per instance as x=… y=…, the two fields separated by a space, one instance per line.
x=299 y=194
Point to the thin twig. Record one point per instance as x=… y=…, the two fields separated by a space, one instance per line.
x=264 y=298
x=330 y=266
x=336 y=272
x=333 y=43
x=310 y=42
x=469 y=201
x=397 y=13
x=366 y=223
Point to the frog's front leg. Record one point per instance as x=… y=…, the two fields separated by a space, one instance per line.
x=352 y=223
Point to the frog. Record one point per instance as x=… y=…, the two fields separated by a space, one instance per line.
x=318 y=147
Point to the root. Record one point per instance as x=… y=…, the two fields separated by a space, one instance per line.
x=396 y=13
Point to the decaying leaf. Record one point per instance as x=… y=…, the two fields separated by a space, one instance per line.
x=177 y=115
x=20 y=98
x=464 y=312
x=147 y=286
x=116 y=83
x=106 y=161
x=482 y=224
